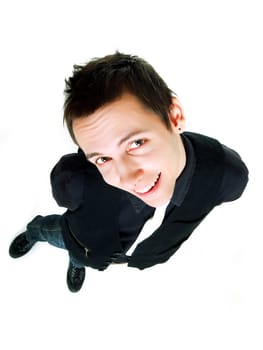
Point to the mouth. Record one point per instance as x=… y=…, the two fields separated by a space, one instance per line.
x=149 y=188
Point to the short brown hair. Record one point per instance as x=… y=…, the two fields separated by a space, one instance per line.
x=103 y=80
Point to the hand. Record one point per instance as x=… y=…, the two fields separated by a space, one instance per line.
x=116 y=258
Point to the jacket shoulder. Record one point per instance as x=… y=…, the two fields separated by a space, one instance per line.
x=67 y=180
x=235 y=176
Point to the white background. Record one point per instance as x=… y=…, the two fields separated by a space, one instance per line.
x=209 y=295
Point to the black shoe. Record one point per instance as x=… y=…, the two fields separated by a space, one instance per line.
x=75 y=277
x=20 y=246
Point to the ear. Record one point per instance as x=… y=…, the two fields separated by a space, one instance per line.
x=176 y=116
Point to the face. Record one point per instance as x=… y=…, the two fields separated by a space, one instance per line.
x=133 y=149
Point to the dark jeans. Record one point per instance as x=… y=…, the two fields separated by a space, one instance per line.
x=48 y=229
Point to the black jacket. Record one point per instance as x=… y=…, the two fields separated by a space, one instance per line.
x=90 y=225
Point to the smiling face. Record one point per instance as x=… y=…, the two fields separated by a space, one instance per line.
x=133 y=149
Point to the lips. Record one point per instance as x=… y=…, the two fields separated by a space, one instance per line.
x=149 y=187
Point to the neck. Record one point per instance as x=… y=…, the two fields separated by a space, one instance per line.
x=181 y=155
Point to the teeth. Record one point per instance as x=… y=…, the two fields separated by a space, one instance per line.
x=147 y=188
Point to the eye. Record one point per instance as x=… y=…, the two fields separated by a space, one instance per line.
x=136 y=144
x=102 y=160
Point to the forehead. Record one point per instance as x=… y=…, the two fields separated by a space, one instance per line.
x=115 y=119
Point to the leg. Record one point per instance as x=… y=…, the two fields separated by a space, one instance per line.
x=48 y=229
x=45 y=229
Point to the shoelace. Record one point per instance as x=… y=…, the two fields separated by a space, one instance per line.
x=75 y=273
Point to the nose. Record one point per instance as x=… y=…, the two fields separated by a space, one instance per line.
x=128 y=172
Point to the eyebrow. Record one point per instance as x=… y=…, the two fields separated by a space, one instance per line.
x=125 y=138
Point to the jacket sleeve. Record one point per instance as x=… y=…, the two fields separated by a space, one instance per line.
x=67 y=180
x=235 y=177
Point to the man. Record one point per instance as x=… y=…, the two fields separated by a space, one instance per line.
x=135 y=167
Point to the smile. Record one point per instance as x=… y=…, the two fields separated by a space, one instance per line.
x=150 y=187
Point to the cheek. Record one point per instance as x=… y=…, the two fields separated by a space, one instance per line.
x=158 y=159
x=108 y=176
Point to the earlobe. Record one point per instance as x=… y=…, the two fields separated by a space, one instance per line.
x=176 y=115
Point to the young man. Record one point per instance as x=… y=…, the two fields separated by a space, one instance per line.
x=137 y=177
